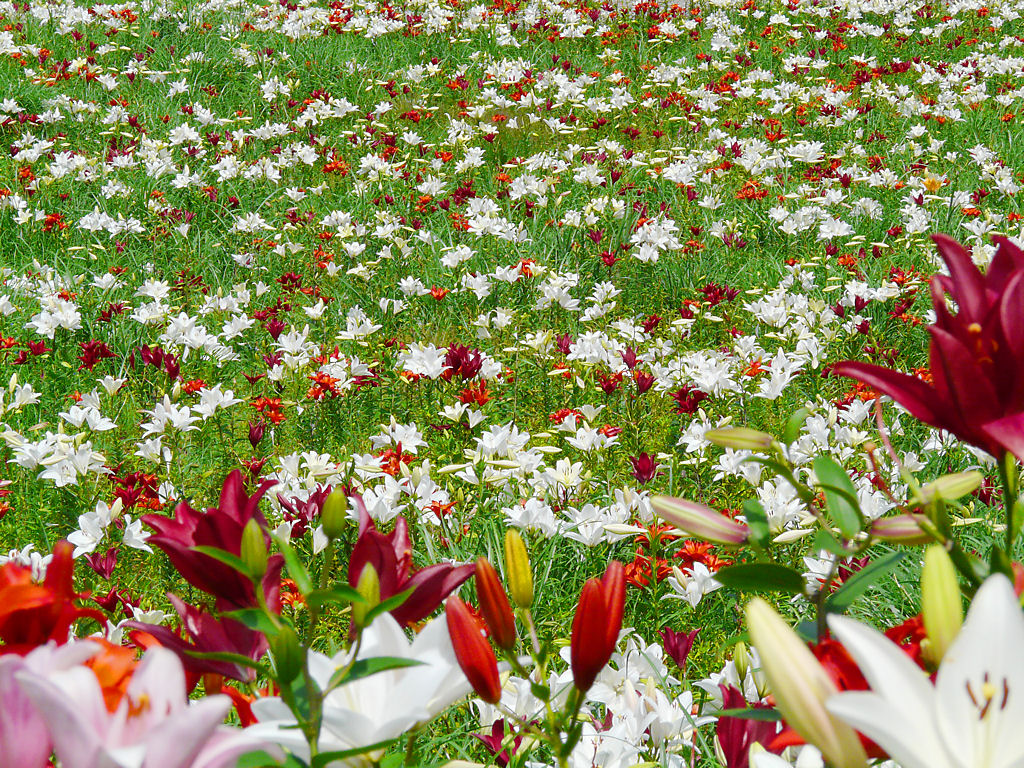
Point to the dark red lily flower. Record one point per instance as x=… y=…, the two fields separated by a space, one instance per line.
x=33 y=614
x=645 y=467
x=391 y=556
x=495 y=740
x=302 y=512
x=219 y=527
x=736 y=735
x=103 y=563
x=208 y=634
x=678 y=645
x=595 y=628
x=976 y=355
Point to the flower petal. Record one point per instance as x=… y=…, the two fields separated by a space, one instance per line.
x=983 y=672
x=919 y=399
x=965 y=283
x=899 y=685
x=889 y=724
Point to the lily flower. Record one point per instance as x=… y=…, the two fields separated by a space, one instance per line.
x=219 y=527
x=375 y=708
x=24 y=739
x=971 y=717
x=976 y=356
x=209 y=634
x=153 y=726
x=391 y=556
x=32 y=614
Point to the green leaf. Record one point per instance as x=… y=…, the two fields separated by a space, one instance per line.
x=324 y=758
x=762 y=577
x=263 y=759
x=257 y=619
x=764 y=715
x=757 y=522
x=794 y=425
x=826 y=541
x=840 y=496
x=295 y=567
x=232 y=561
x=231 y=658
x=387 y=605
x=340 y=594
x=855 y=586
x=366 y=667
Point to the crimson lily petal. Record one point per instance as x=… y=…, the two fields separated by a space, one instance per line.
x=1007 y=432
x=919 y=399
x=965 y=281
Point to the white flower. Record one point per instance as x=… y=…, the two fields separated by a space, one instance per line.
x=375 y=708
x=971 y=717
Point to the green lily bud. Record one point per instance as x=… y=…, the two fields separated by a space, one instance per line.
x=254 y=550
x=741 y=659
x=941 y=604
x=368 y=587
x=801 y=686
x=334 y=517
x=740 y=438
x=289 y=655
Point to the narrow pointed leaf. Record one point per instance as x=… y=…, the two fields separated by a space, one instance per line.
x=855 y=586
x=762 y=577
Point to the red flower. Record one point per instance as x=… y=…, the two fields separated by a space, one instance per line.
x=391 y=556
x=977 y=355
x=33 y=614
x=219 y=527
x=472 y=651
x=494 y=604
x=595 y=628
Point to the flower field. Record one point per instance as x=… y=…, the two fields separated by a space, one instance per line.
x=516 y=383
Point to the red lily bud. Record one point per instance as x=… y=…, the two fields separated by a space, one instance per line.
x=595 y=628
x=494 y=605
x=472 y=651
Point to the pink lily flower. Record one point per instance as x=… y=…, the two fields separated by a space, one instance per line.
x=154 y=726
x=24 y=738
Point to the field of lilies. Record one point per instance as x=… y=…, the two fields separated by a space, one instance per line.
x=535 y=383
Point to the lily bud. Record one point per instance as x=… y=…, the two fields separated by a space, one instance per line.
x=596 y=625
x=334 y=517
x=941 y=605
x=368 y=587
x=494 y=605
x=952 y=487
x=801 y=687
x=289 y=655
x=472 y=651
x=901 y=529
x=700 y=521
x=741 y=660
x=740 y=438
x=254 y=550
x=517 y=565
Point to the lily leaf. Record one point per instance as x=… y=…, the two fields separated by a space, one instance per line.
x=855 y=586
x=762 y=577
x=841 y=501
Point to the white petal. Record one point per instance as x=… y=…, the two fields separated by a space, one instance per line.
x=888 y=670
x=988 y=647
x=892 y=726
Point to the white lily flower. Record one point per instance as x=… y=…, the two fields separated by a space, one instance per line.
x=971 y=717
x=375 y=708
